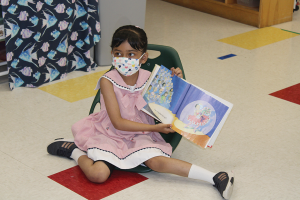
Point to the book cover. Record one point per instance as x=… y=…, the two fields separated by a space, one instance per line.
x=193 y=112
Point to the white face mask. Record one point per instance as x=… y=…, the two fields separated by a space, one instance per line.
x=126 y=66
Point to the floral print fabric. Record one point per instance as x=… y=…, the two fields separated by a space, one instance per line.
x=46 y=39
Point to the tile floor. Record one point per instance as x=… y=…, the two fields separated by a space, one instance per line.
x=259 y=141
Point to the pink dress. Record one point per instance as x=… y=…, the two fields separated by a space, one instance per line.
x=97 y=136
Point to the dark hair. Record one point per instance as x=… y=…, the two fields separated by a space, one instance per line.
x=135 y=36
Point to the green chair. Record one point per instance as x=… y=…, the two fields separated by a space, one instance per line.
x=169 y=58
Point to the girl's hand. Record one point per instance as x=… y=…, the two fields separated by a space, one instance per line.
x=164 y=128
x=176 y=72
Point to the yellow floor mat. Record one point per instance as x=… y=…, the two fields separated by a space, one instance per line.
x=75 y=89
x=258 y=38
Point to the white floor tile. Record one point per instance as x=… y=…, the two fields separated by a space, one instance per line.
x=19 y=181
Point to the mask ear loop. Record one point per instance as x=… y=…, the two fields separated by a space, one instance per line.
x=141 y=57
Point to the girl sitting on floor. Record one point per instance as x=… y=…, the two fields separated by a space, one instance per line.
x=121 y=135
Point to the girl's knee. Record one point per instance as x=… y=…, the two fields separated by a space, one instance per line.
x=98 y=175
x=155 y=164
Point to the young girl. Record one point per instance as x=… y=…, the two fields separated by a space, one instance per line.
x=121 y=135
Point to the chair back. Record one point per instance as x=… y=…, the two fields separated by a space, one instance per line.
x=168 y=57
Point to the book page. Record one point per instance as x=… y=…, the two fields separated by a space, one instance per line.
x=180 y=88
x=194 y=113
x=153 y=73
x=163 y=114
x=146 y=95
x=201 y=116
x=163 y=94
x=148 y=111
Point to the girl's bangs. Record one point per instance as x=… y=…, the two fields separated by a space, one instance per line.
x=131 y=37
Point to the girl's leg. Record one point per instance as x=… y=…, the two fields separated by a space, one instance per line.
x=97 y=172
x=180 y=168
x=222 y=180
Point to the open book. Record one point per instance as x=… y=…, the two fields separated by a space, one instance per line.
x=193 y=112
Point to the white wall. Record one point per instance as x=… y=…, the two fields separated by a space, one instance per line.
x=113 y=14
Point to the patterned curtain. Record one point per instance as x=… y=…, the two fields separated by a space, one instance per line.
x=46 y=39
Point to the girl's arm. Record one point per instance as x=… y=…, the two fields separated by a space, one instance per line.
x=114 y=114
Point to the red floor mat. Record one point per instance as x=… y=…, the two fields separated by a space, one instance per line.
x=75 y=180
x=291 y=94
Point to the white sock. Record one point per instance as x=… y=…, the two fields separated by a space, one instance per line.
x=199 y=173
x=76 y=153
